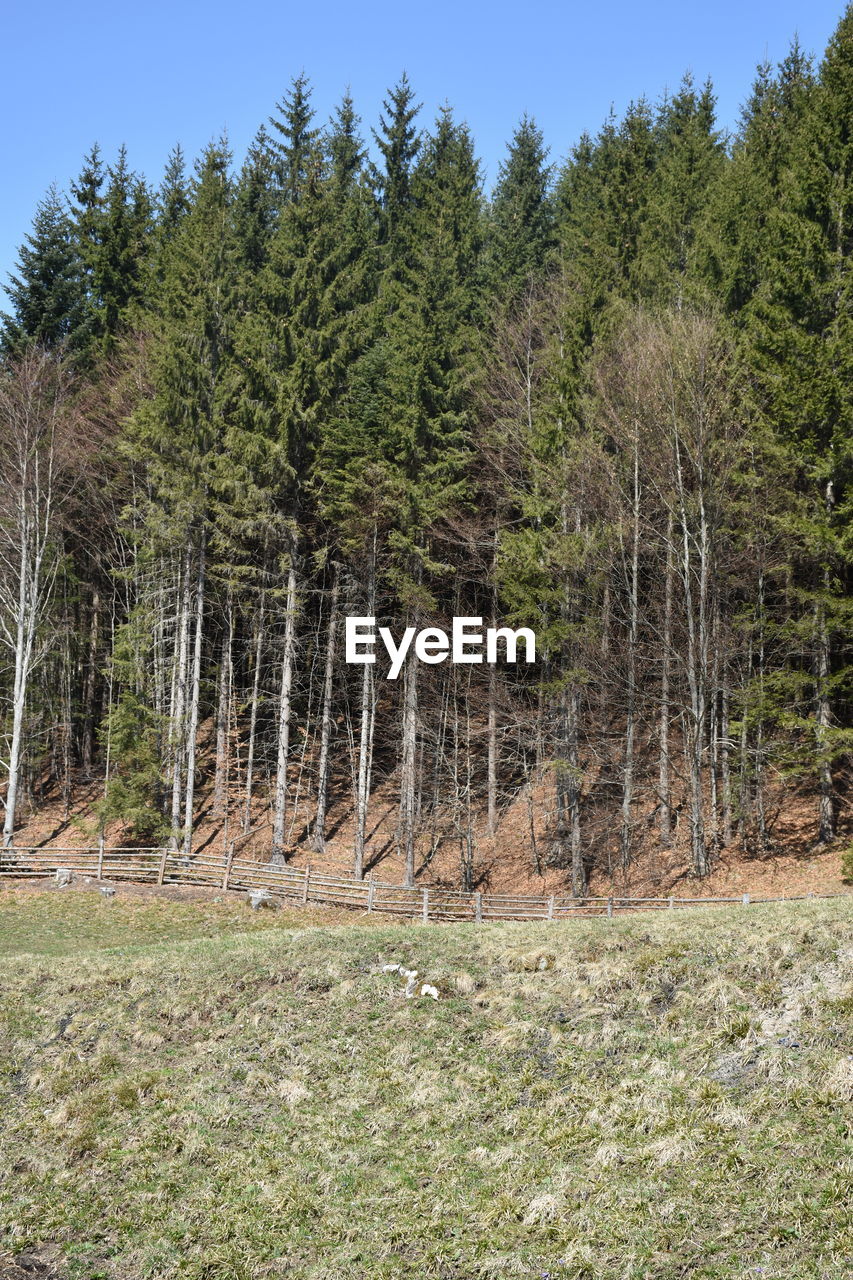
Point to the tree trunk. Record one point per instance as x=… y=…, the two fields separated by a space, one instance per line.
x=365 y=744
x=573 y=726
x=694 y=582
x=319 y=839
x=253 y=718
x=492 y=754
x=823 y=709
x=90 y=689
x=725 y=759
x=223 y=716
x=664 y=797
x=195 y=689
x=284 y=710
x=630 y=709
x=19 y=694
x=823 y=719
x=408 y=756
x=179 y=696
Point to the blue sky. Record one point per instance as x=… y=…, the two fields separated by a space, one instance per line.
x=152 y=74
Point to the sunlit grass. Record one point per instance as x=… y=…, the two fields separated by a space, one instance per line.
x=667 y=1097
x=73 y=921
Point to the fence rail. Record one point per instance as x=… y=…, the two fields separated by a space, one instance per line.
x=163 y=866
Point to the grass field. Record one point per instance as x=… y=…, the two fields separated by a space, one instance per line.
x=223 y=1096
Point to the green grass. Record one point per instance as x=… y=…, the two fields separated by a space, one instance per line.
x=671 y=1097
x=72 y=922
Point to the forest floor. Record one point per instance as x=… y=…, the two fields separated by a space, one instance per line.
x=516 y=859
x=227 y=1097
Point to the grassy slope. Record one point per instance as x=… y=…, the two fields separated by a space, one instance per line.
x=667 y=1100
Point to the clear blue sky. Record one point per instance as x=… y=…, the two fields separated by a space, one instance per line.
x=151 y=74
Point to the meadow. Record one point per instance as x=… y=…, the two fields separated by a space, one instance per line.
x=195 y=1090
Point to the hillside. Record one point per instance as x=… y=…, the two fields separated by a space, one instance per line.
x=665 y=1098
x=519 y=858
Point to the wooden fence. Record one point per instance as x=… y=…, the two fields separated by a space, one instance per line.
x=304 y=885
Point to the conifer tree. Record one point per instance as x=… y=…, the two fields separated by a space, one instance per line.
x=521 y=213
x=797 y=334
x=119 y=274
x=47 y=291
x=294 y=150
x=87 y=209
x=691 y=154
x=177 y=438
x=399 y=142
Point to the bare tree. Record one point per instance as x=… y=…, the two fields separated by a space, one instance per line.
x=37 y=440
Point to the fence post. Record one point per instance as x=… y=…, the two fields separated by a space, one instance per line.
x=551 y=907
x=162 y=872
x=306 y=884
x=371 y=890
x=746 y=899
x=101 y=856
x=425 y=908
x=478 y=908
x=227 y=876
x=671 y=903
x=610 y=906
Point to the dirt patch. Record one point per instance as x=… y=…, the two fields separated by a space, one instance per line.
x=126 y=888
x=39 y=1264
x=516 y=859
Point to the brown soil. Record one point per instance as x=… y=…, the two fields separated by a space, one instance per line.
x=516 y=859
x=40 y=1264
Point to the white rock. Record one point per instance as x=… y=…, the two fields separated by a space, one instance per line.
x=428 y=990
x=108 y=891
x=390 y=968
x=64 y=876
x=258 y=898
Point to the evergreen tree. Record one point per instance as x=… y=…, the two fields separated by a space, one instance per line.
x=521 y=213
x=120 y=265
x=172 y=201
x=691 y=153
x=797 y=335
x=255 y=209
x=47 y=291
x=294 y=149
x=345 y=146
x=87 y=213
x=177 y=436
x=738 y=227
x=399 y=142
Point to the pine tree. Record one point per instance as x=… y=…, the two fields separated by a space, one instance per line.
x=87 y=214
x=119 y=276
x=345 y=146
x=521 y=213
x=172 y=201
x=255 y=210
x=47 y=292
x=691 y=154
x=797 y=335
x=177 y=437
x=399 y=142
x=294 y=150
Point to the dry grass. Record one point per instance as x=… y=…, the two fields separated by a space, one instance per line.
x=668 y=1097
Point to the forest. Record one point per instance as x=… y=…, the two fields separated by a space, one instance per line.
x=611 y=401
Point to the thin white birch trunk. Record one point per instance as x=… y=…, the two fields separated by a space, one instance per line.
x=319 y=839
x=284 y=713
x=253 y=718
x=195 y=688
